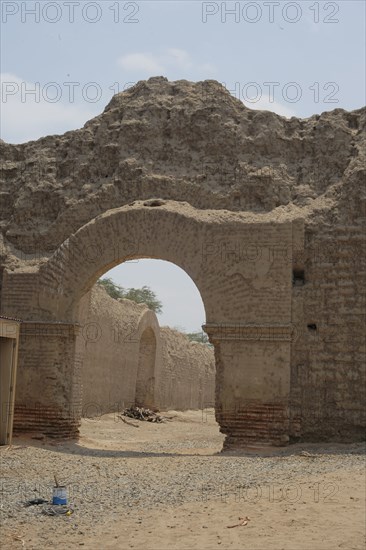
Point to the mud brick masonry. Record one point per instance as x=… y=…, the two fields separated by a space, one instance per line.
x=266 y=215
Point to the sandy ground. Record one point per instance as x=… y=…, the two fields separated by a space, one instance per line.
x=167 y=486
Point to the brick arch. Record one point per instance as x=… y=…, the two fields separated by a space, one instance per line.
x=126 y=233
x=242 y=267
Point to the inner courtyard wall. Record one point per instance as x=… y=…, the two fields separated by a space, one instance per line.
x=110 y=344
x=188 y=373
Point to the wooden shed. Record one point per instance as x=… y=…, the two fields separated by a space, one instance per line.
x=9 y=343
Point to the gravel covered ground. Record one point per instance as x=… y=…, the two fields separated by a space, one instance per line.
x=168 y=486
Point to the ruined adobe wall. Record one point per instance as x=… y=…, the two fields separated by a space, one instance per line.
x=109 y=347
x=110 y=343
x=188 y=373
x=328 y=378
x=194 y=142
x=182 y=141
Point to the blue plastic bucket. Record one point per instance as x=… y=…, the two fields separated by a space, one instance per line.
x=59 y=495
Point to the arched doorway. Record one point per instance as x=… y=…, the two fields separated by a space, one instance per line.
x=242 y=267
x=144 y=396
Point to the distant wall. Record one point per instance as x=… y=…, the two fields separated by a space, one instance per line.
x=188 y=373
x=128 y=359
x=109 y=345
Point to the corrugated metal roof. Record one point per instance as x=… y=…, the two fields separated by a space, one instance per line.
x=10 y=318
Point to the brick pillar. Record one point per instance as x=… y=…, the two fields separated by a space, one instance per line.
x=252 y=383
x=48 y=392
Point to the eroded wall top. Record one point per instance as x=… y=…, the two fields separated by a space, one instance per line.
x=184 y=141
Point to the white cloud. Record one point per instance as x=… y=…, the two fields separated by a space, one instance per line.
x=264 y=103
x=253 y=97
x=208 y=68
x=178 y=58
x=171 y=59
x=26 y=116
x=144 y=62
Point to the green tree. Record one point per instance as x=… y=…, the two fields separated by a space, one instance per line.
x=142 y=295
x=114 y=291
x=197 y=337
x=146 y=296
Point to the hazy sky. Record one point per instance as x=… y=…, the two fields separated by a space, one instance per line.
x=62 y=61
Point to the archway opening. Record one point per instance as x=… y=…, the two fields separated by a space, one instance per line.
x=130 y=333
x=152 y=359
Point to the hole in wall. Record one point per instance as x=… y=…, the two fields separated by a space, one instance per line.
x=154 y=202
x=312 y=327
x=298 y=277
